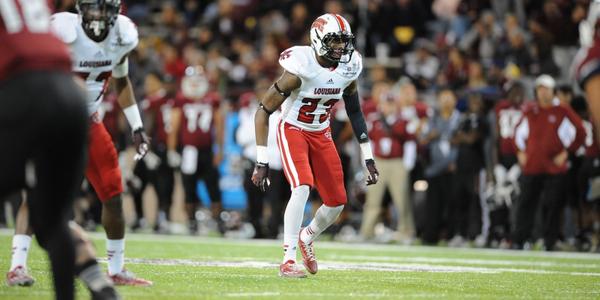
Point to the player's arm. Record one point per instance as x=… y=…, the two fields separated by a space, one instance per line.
x=126 y=99
x=359 y=126
x=173 y=157
x=271 y=102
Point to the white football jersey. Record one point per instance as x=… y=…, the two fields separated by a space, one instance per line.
x=309 y=106
x=94 y=61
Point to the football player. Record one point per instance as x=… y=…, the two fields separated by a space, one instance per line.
x=586 y=64
x=100 y=40
x=43 y=117
x=197 y=124
x=314 y=79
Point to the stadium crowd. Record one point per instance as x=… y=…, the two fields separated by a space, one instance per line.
x=445 y=88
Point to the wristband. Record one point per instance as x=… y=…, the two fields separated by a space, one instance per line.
x=132 y=113
x=262 y=154
x=365 y=149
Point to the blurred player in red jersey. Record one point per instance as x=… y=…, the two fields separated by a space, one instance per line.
x=43 y=115
x=197 y=126
x=100 y=40
x=314 y=79
x=158 y=166
x=504 y=182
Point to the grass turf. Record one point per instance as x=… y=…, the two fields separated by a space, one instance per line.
x=212 y=268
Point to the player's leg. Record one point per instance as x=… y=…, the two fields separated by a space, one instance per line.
x=138 y=183
x=58 y=162
x=278 y=194
x=374 y=197
x=164 y=184
x=210 y=174
x=526 y=208
x=592 y=91
x=399 y=192
x=555 y=190
x=294 y=154
x=255 y=198
x=104 y=174
x=87 y=267
x=189 y=178
x=329 y=179
x=21 y=243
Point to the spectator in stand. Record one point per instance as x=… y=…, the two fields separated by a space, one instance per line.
x=482 y=39
x=565 y=95
x=456 y=69
x=442 y=164
x=422 y=64
x=544 y=138
x=477 y=78
x=465 y=210
x=389 y=133
x=299 y=24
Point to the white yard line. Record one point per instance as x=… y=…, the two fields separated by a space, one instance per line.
x=466 y=261
x=349 y=266
x=418 y=250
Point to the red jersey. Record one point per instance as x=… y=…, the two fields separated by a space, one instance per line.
x=27 y=43
x=545 y=132
x=388 y=137
x=198 y=119
x=508 y=116
x=160 y=107
x=369 y=109
x=414 y=114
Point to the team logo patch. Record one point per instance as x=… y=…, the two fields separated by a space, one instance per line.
x=319 y=24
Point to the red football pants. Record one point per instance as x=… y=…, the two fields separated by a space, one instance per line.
x=102 y=169
x=310 y=158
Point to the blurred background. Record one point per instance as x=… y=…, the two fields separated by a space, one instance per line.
x=451 y=75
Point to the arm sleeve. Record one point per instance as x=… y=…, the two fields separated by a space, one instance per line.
x=356 y=117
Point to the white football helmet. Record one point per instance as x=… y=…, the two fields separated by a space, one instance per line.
x=328 y=29
x=194 y=84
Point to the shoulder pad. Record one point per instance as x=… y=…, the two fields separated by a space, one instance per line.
x=296 y=60
x=126 y=32
x=64 y=25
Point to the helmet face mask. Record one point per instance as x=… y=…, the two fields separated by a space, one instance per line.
x=98 y=16
x=332 y=39
x=337 y=45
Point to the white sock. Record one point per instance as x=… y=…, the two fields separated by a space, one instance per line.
x=292 y=220
x=20 y=249
x=324 y=217
x=115 y=251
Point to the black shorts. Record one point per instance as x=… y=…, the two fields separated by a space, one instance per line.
x=41 y=112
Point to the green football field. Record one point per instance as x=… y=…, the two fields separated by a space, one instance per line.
x=213 y=268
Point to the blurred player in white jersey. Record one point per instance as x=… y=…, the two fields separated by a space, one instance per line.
x=100 y=39
x=314 y=79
